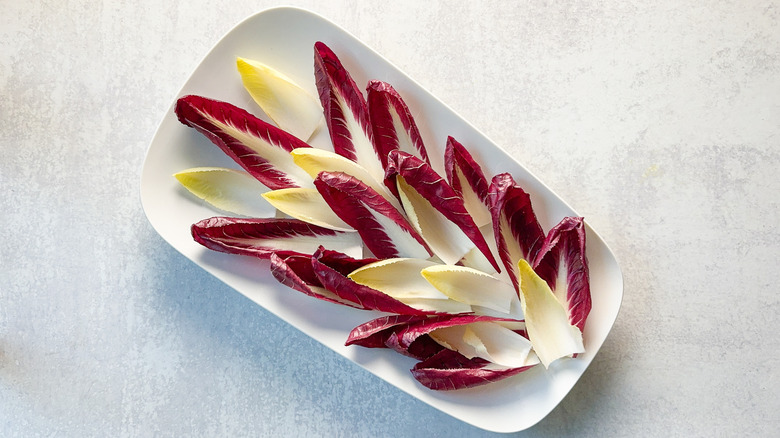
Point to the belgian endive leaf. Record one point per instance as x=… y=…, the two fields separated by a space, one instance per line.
x=297 y=273
x=307 y=205
x=546 y=320
x=385 y=232
x=487 y=340
x=230 y=190
x=475 y=259
x=314 y=161
x=449 y=370
x=259 y=147
x=472 y=287
x=291 y=107
x=563 y=265
x=335 y=281
x=374 y=333
x=392 y=123
x=383 y=332
x=467 y=179
x=435 y=210
x=403 y=338
x=398 y=277
x=339 y=261
x=346 y=111
x=517 y=231
x=263 y=237
x=401 y=279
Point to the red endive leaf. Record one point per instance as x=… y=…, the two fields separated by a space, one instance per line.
x=434 y=189
x=384 y=231
x=374 y=333
x=518 y=233
x=263 y=237
x=300 y=265
x=392 y=123
x=563 y=265
x=422 y=348
x=467 y=179
x=297 y=273
x=402 y=339
x=346 y=111
x=449 y=370
x=260 y=148
x=342 y=263
x=365 y=297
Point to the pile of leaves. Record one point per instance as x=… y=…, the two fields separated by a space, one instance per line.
x=464 y=278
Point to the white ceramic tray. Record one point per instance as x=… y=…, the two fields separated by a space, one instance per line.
x=284 y=38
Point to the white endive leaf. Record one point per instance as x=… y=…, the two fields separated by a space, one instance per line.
x=547 y=321
x=307 y=205
x=404 y=244
x=475 y=259
x=488 y=340
x=230 y=190
x=291 y=107
x=476 y=208
x=401 y=279
x=443 y=236
x=471 y=286
x=314 y=160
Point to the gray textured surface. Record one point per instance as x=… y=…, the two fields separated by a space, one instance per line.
x=660 y=124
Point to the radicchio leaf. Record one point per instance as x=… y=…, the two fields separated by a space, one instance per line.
x=563 y=265
x=263 y=237
x=297 y=273
x=402 y=339
x=381 y=333
x=374 y=333
x=341 y=262
x=392 y=123
x=260 y=148
x=384 y=231
x=363 y=296
x=439 y=199
x=466 y=177
x=449 y=370
x=518 y=233
x=346 y=111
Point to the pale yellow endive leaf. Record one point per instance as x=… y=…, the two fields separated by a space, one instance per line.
x=400 y=278
x=230 y=190
x=313 y=161
x=546 y=320
x=307 y=205
x=291 y=107
x=471 y=286
x=488 y=340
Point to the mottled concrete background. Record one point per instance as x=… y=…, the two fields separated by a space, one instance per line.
x=660 y=124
